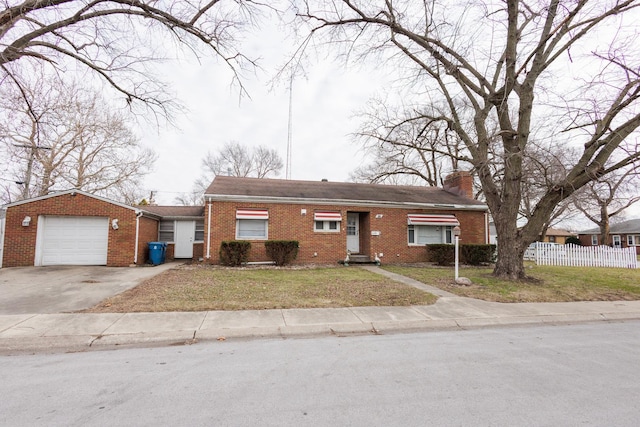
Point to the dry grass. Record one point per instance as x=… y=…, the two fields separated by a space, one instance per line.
x=203 y=288
x=551 y=284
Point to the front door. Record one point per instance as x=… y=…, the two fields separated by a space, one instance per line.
x=185 y=230
x=353 y=232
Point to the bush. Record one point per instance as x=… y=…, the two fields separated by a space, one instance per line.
x=441 y=254
x=282 y=252
x=573 y=241
x=234 y=253
x=477 y=254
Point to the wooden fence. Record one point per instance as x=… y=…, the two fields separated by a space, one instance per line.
x=581 y=256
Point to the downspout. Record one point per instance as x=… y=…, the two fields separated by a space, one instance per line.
x=3 y=222
x=487 y=232
x=209 y=232
x=135 y=251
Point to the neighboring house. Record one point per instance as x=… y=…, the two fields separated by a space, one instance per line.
x=76 y=228
x=556 y=235
x=621 y=235
x=328 y=219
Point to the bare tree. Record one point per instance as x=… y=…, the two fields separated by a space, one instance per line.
x=407 y=147
x=608 y=197
x=570 y=65
x=118 y=41
x=69 y=139
x=233 y=159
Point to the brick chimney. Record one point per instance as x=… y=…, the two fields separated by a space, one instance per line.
x=460 y=183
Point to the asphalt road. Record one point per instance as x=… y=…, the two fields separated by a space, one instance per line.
x=584 y=375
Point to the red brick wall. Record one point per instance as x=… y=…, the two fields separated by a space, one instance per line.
x=20 y=242
x=286 y=222
x=148 y=233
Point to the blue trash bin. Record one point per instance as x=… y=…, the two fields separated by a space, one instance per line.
x=157 y=252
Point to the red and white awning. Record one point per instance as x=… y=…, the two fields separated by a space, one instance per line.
x=252 y=214
x=432 y=219
x=327 y=216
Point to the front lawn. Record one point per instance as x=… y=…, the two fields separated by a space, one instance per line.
x=203 y=288
x=552 y=284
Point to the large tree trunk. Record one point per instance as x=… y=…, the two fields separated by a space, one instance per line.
x=510 y=264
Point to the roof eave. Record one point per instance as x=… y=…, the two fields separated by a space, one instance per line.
x=340 y=202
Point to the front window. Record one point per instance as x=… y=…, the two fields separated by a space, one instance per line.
x=328 y=226
x=428 y=234
x=251 y=229
x=594 y=240
x=617 y=243
x=199 y=234
x=166 y=230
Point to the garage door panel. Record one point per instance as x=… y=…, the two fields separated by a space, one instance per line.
x=74 y=240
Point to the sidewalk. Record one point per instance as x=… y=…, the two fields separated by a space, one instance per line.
x=26 y=333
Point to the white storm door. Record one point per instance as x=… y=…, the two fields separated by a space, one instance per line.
x=353 y=232
x=185 y=231
x=69 y=240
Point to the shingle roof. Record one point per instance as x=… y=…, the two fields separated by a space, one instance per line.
x=175 y=211
x=559 y=232
x=631 y=226
x=226 y=187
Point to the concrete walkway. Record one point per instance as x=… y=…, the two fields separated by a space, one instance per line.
x=25 y=333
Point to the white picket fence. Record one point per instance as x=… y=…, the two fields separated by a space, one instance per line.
x=581 y=256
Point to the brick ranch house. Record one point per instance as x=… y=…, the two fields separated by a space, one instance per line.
x=625 y=234
x=328 y=219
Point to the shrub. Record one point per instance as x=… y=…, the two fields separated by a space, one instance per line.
x=282 y=252
x=441 y=254
x=573 y=241
x=477 y=254
x=234 y=253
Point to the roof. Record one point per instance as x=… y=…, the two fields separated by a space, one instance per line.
x=74 y=191
x=290 y=191
x=176 y=211
x=631 y=226
x=559 y=232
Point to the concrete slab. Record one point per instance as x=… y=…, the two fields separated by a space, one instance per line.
x=387 y=314
x=319 y=316
x=52 y=325
x=452 y=308
x=138 y=323
x=184 y=337
x=57 y=289
x=11 y=320
x=243 y=319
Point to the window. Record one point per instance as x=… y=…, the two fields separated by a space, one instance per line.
x=251 y=229
x=633 y=240
x=327 y=221
x=166 y=231
x=330 y=226
x=552 y=239
x=429 y=234
x=252 y=224
x=594 y=240
x=199 y=234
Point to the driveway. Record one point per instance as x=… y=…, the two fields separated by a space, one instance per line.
x=35 y=290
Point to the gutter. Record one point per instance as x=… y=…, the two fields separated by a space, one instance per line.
x=135 y=252
x=341 y=202
x=209 y=232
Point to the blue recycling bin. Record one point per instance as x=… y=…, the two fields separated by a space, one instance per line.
x=157 y=252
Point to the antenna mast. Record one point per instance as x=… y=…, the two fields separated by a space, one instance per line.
x=289 y=129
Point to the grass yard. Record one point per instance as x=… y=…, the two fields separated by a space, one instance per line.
x=203 y=288
x=554 y=284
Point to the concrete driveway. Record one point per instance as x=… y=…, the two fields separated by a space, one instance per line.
x=59 y=289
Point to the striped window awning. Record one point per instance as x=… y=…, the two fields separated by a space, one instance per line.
x=252 y=214
x=327 y=216
x=432 y=219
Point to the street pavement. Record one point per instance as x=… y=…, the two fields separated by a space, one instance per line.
x=60 y=332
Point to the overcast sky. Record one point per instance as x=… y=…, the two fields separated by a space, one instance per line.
x=324 y=103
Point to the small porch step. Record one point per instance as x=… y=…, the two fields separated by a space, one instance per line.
x=360 y=259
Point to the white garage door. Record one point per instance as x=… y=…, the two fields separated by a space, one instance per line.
x=71 y=240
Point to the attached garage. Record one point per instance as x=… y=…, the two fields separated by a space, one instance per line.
x=76 y=228
x=72 y=240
